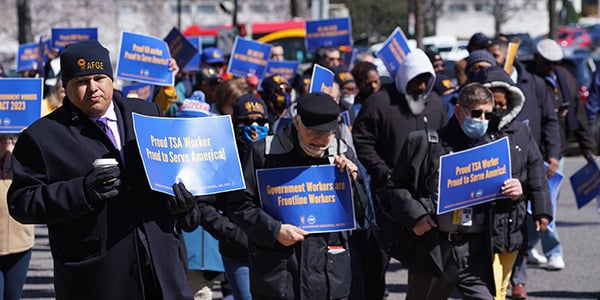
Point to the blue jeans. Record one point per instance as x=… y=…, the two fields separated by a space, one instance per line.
x=238 y=274
x=13 y=271
x=550 y=243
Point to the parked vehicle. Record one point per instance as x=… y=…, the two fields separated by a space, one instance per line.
x=574 y=37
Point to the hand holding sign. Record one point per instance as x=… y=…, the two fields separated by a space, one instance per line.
x=290 y=234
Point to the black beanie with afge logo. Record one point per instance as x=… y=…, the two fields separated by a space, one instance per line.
x=84 y=58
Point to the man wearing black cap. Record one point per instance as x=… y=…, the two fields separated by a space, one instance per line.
x=111 y=237
x=286 y=262
x=478 y=41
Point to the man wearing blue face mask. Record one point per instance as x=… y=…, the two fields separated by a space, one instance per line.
x=250 y=120
x=454 y=249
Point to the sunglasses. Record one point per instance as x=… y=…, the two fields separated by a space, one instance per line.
x=249 y=122
x=476 y=113
x=282 y=88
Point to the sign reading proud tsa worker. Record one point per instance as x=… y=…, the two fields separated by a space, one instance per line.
x=321 y=80
x=473 y=176
x=248 y=57
x=200 y=152
x=61 y=37
x=144 y=58
x=20 y=103
x=394 y=50
x=316 y=198
x=328 y=33
x=285 y=68
x=586 y=184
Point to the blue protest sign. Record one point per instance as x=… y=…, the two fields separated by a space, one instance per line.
x=194 y=63
x=285 y=68
x=586 y=184
x=200 y=152
x=349 y=58
x=328 y=33
x=394 y=50
x=316 y=198
x=321 y=80
x=473 y=176
x=28 y=57
x=20 y=103
x=139 y=90
x=182 y=50
x=248 y=57
x=144 y=58
x=61 y=37
x=554 y=183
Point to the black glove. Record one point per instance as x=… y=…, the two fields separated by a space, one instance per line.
x=183 y=201
x=101 y=184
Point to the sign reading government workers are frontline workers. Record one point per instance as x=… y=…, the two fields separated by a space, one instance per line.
x=200 y=152
x=248 y=57
x=144 y=58
x=20 y=103
x=315 y=198
x=328 y=33
x=473 y=176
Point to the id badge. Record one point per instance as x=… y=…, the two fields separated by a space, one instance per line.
x=467 y=217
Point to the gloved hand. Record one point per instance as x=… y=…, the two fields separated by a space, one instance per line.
x=101 y=184
x=183 y=201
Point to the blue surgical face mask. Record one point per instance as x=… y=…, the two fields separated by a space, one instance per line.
x=253 y=133
x=474 y=128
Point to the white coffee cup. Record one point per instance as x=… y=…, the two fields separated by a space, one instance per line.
x=105 y=162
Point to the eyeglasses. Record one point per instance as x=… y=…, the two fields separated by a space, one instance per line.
x=249 y=122
x=334 y=58
x=476 y=113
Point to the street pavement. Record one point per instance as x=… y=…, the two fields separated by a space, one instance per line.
x=579 y=234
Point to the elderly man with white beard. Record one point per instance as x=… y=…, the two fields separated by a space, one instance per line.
x=379 y=132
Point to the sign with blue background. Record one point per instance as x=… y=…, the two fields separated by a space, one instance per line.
x=586 y=184
x=139 y=90
x=61 y=37
x=248 y=57
x=144 y=58
x=321 y=80
x=328 y=33
x=315 y=198
x=394 y=50
x=20 y=103
x=194 y=63
x=473 y=176
x=28 y=57
x=200 y=152
x=180 y=47
x=285 y=68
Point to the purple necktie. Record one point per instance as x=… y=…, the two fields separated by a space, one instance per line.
x=103 y=123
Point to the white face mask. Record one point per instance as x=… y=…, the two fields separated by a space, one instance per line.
x=311 y=150
x=347 y=101
x=416 y=105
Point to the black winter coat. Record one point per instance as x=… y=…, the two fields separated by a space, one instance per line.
x=95 y=248
x=304 y=270
x=382 y=126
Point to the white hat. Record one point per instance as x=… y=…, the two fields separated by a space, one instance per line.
x=550 y=50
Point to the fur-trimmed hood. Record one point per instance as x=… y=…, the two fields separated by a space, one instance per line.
x=495 y=77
